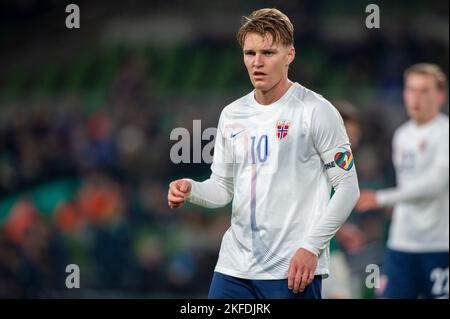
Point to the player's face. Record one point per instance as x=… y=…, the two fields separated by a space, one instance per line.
x=422 y=97
x=267 y=63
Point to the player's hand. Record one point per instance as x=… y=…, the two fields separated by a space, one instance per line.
x=301 y=270
x=367 y=201
x=179 y=191
x=351 y=238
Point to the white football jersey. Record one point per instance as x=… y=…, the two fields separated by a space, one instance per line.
x=282 y=158
x=421 y=159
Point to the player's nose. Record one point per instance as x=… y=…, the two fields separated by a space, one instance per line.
x=258 y=61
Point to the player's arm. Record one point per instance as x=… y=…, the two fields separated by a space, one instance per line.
x=331 y=142
x=212 y=193
x=432 y=185
x=217 y=191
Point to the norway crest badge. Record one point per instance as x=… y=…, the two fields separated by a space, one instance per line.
x=282 y=129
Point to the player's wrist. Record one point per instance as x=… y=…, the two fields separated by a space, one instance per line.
x=311 y=249
x=381 y=198
x=191 y=189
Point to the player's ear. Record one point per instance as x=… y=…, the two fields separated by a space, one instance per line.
x=442 y=98
x=291 y=55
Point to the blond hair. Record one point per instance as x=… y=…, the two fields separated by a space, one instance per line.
x=267 y=21
x=428 y=69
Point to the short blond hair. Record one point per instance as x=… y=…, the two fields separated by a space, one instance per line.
x=267 y=21
x=428 y=69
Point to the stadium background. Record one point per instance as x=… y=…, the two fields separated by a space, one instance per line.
x=86 y=115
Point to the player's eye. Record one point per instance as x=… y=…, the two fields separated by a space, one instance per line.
x=269 y=53
x=249 y=53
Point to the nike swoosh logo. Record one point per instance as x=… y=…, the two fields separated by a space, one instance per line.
x=234 y=135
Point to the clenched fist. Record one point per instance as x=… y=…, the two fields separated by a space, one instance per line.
x=179 y=191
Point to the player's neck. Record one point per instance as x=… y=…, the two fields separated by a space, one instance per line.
x=274 y=94
x=426 y=121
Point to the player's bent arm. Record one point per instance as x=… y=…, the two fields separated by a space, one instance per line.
x=433 y=185
x=213 y=193
x=339 y=208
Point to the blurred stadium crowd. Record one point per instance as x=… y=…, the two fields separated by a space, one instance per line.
x=84 y=145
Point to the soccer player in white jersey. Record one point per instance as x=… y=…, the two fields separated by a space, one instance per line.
x=416 y=262
x=278 y=152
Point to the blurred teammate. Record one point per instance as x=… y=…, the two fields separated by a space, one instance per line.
x=278 y=152
x=416 y=264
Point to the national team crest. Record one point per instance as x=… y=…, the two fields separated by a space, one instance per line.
x=282 y=129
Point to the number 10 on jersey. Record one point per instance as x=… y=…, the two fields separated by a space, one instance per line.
x=260 y=148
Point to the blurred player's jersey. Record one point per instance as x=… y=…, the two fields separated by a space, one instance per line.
x=279 y=163
x=421 y=225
